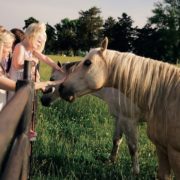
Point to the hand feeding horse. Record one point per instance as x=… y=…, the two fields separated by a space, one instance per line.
x=119 y=107
x=153 y=85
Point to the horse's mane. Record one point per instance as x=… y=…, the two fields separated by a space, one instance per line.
x=146 y=81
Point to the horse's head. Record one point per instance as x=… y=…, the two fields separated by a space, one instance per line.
x=88 y=76
x=52 y=94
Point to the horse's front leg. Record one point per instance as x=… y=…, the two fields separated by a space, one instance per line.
x=117 y=139
x=164 y=172
x=130 y=131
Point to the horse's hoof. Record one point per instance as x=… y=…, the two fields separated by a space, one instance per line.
x=112 y=160
x=136 y=171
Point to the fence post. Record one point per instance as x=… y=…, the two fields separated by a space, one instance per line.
x=26 y=115
x=25 y=124
x=10 y=118
x=14 y=165
x=20 y=150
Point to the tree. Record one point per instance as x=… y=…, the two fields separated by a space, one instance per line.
x=89 y=28
x=149 y=43
x=122 y=34
x=166 y=19
x=51 y=39
x=109 y=29
x=66 y=35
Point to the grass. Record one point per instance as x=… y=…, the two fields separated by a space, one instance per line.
x=75 y=140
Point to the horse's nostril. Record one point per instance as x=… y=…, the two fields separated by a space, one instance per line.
x=46 y=101
x=66 y=93
x=52 y=79
x=61 y=87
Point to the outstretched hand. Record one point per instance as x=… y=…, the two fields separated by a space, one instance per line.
x=59 y=68
x=47 y=84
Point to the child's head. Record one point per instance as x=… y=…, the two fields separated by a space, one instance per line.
x=36 y=35
x=6 y=41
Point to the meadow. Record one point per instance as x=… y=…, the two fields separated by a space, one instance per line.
x=75 y=140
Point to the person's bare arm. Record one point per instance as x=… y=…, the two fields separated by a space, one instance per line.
x=46 y=60
x=7 y=84
x=18 y=57
x=47 y=84
x=1 y=49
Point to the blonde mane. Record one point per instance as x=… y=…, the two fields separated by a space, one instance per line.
x=148 y=82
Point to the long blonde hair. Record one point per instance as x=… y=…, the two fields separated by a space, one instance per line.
x=6 y=38
x=35 y=31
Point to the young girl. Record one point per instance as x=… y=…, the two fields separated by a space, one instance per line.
x=30 y=49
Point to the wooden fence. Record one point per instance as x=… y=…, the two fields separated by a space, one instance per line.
x=15 y=123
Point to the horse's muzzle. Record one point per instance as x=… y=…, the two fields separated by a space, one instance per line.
x=66 y=94
x=46 y=100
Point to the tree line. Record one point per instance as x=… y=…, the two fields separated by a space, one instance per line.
x=158 y=39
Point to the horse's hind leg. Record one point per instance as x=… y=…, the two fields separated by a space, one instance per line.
x=117 y=139
x=174 y=159
x=130 y=132
x=163 y=162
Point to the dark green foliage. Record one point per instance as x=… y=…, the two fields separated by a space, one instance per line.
x=89 y=28
x=66 y=35
x=50 y=47
x=166 y=19
x=158 y=39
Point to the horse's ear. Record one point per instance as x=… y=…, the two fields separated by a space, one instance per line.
x=59 y=64
x=104 y=44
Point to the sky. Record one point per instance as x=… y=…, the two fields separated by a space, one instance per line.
x=14 y=12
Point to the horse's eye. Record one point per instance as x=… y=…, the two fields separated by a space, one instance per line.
x=87 y=62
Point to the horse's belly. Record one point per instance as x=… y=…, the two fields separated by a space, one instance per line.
x=164 y=133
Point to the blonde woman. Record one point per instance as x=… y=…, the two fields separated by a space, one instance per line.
x=6 y=42
x=30 y=49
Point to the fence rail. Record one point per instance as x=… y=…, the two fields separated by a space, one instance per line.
x=15 y=123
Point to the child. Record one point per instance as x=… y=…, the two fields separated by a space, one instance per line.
x=30 y=49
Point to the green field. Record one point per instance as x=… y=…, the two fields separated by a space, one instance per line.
x=75 y=139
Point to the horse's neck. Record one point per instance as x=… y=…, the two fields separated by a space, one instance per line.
x=121 y=74
x=105 y=93
x=143 y=80
x=112 y=77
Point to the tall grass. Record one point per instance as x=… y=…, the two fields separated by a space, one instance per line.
x=75 y=140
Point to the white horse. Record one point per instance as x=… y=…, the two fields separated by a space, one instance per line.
x=119 y=107
x=153 y=85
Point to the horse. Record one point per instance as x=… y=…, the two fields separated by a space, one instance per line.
x=152 y=85
x=124 y=122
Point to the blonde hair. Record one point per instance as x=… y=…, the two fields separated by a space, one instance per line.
x=6 y=37
x=35 y=31
x=2 y=29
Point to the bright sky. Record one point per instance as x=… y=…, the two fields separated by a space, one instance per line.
x=14 y=12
